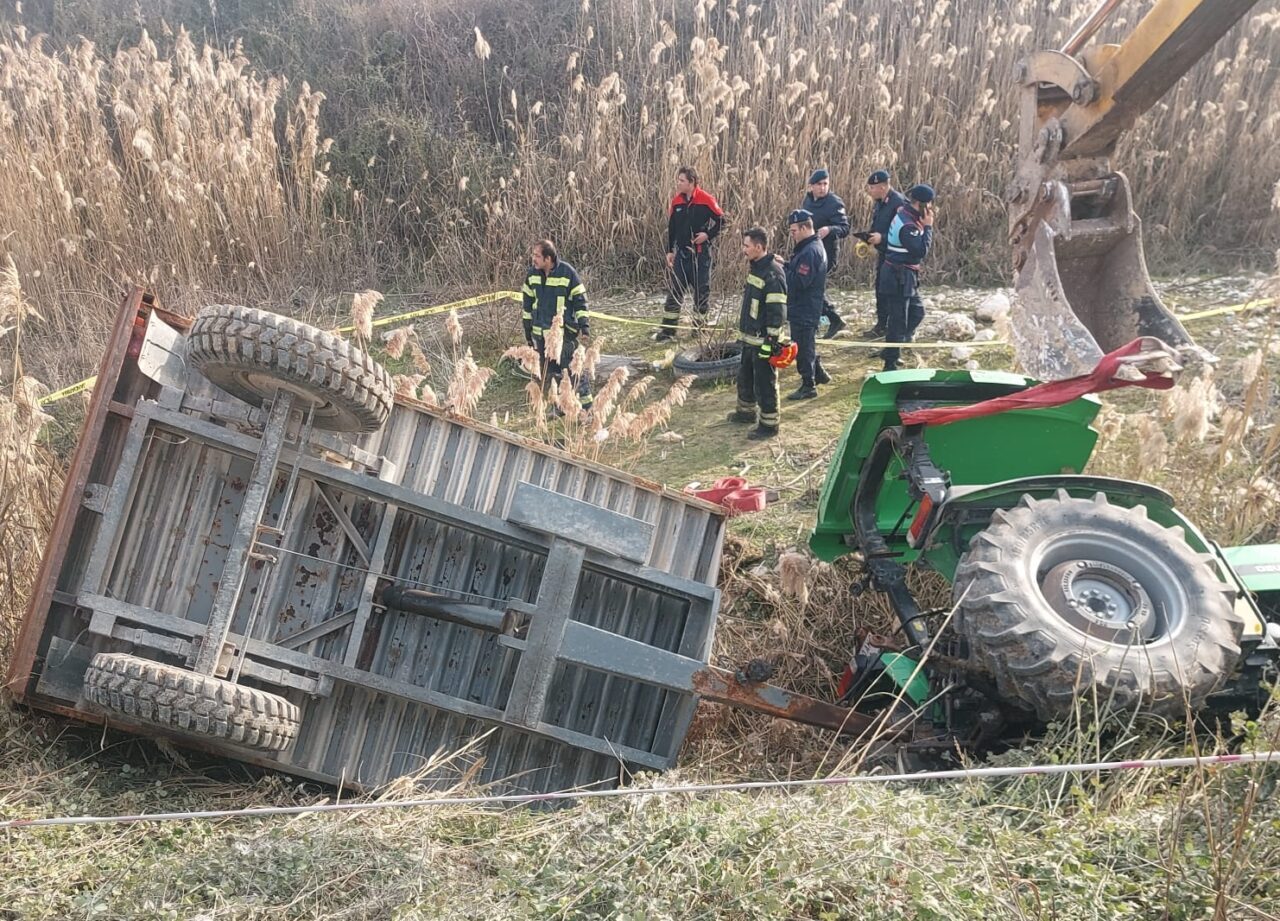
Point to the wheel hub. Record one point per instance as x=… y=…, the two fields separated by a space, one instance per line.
x=1101 y=599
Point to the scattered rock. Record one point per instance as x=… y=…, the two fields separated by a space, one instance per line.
x=958 y=328
x=993 y=307
x=962 y=353
x=971 y=366
x=984 y=335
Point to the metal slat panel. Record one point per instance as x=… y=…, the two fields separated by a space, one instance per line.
x=183 y=512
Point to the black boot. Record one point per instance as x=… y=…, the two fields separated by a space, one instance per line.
x=874 y=333
x=741 y=415
x=820 y=375
x=762 y=433
x=805 y=392
x=664 y=335
x=835 y=325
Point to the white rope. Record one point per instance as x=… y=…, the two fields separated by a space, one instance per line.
x=519 y=799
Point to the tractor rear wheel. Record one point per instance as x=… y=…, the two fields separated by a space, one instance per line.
x=1068 y=598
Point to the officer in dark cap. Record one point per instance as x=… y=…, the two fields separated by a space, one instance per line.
x=886 y=201
x=831 y=222
x=806 y=292
x=898 y=282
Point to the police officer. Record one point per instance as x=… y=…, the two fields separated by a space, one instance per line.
x=806 y=291
x=906 y=245
x=764 y=300
x=831 y=222
x=552 y=288
x=693 y=220
x=886 y=201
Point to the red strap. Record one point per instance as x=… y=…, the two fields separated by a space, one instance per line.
x=1054 y=393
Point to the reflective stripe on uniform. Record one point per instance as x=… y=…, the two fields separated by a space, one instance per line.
x=746 y=407
x=770 y=420
x=751 y=340
x=528 y=290
x=527 y=315
x=579 y=289
x=557 y=282
x=779 y=297
x=671 y=314
x=755 y=281
x=534 y=280
x=755 y=309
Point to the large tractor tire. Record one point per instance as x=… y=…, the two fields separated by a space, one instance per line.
x=251 y=353
x=175 y=698
x=1068 y=599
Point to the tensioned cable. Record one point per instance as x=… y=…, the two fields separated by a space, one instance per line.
x=521 y=799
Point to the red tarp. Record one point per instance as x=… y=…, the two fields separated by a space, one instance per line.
x=1054 y=393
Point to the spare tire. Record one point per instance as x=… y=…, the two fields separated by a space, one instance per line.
x=251 y=353
x=709 y=363
x=1068 y=598
x=178 y=699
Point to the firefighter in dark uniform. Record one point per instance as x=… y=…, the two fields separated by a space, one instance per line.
x=693 y=220
x=552 y=288
x=906 y=246
x=806 y=291
x=831 y=221
x=886 y=201
x=760 y=324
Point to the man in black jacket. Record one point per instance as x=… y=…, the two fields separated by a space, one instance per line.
x=764 y=306
x=831 y=221
x=906 y=246
x=693 y=220
x=886 y=202
x=806 y=291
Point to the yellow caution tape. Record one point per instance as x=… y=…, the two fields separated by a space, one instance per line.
x=71 y=391
x=842 y=343
x=443 y=308
x=846 y=344
x=1234 y=308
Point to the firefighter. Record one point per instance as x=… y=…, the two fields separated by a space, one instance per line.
x=806 y=291
x=831 y=221
x=693 y=220
x=906 y=246
x=764 y=303
x=886 y=201
x=552 y=288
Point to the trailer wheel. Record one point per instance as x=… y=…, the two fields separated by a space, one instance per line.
x=1064 y=599
x=175 y=698
x=251 y=353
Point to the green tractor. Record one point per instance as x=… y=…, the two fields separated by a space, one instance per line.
x=1064 y=586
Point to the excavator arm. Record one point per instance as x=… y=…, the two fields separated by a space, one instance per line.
x=1080 y=276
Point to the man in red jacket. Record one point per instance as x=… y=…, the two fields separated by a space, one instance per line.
x=693 y=220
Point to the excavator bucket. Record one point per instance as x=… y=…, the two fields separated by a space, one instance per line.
x=1081 y=283
x=1082 y=287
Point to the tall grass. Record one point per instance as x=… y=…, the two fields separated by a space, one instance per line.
x=465 y=130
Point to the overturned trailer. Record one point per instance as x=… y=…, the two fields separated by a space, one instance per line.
x=232 y=567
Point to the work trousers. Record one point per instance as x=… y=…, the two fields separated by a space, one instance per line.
x=882 y=308
x=903 y=307
x=692 y=270
x=808 y=363
x=551 y=370
x=758 y=386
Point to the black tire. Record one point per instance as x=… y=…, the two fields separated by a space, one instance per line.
x=695 y=362
x=250 y=353
x=1063 y=599
x=175 y=698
